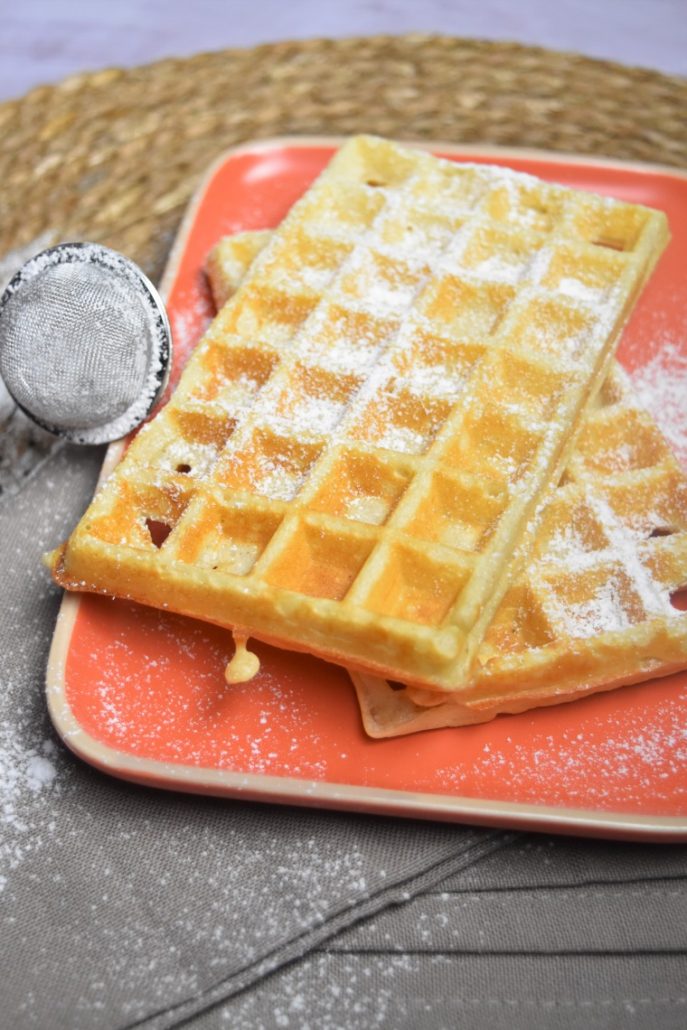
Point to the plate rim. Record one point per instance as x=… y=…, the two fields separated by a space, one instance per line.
x=318 y=793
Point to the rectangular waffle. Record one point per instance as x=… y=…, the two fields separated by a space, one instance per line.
x=359 y=443
x=592 y=611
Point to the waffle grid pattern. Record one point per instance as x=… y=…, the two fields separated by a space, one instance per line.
x=593 y=610
x=622 y=497
x=355 y=448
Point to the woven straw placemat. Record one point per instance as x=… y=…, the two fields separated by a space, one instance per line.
x=114 y=156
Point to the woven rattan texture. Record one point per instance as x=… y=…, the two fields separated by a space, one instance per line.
x=114 y=156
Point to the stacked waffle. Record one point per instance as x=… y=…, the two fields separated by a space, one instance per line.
x=399 y=446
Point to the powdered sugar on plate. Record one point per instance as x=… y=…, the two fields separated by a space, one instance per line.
x=587 y=763
x=188 y=327
x=661 y=386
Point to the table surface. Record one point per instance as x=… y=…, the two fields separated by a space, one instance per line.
x=42 y=41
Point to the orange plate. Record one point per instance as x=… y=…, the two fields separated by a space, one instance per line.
x=141 y=694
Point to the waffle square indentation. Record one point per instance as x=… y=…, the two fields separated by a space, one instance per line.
x=494 y=442
x=373 y=164
x=347 y=339
x=319 y=562
x=268 y=465
x=334 y=207
x=553 y=328
x=597 y=600
x=233 y=374
x=432 y=364
x=230 y=539
x=569 y=529
x=415 y=587
x=499 y=253
x=458 y=513
x=314 y=400
x=622 y=443
x=587 y=274
x=519 y=625
x=383 y=284
x=524 y=388
x=183 y=440
x=142 y=513
x=412 y=229
x=306 y=260
x=472 y=310
x=263 y=312
x=400 y=420
x=524 y=206
x=460 y=188
x=608 y=224
x=648 y=500
x=362 y=487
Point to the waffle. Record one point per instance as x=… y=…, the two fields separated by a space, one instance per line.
x=593 y=609
x=359 y=444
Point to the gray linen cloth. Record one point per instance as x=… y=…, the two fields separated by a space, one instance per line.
x=544 y=933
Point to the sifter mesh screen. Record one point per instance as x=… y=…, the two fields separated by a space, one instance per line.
x=80 y=340
x=66 y=333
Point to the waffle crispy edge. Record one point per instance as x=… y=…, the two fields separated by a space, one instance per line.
x=618 y=440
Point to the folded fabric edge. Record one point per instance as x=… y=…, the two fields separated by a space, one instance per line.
x=481 y=844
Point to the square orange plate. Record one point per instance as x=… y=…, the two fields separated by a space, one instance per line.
x=141 y=694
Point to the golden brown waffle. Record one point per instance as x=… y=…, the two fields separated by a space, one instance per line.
x=361 y=439
x=592 y=612
x=229 y=261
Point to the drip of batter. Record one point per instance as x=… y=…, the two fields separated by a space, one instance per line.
x=244 y=665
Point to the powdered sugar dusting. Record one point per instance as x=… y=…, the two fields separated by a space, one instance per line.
x=661 y=386
x=383 y=297
x=639 y=753
x=581 y=291
x=28 y=776
x=602 y=613
x=495 y=267
x=188 y=325
x=316 y=414
x=329 y=992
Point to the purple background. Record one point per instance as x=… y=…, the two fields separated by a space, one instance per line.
x=43 y=41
